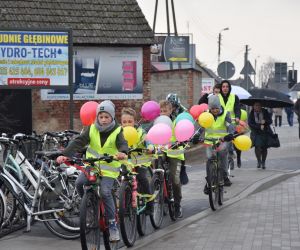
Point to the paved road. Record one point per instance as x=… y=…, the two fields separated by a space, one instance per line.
x=280 y=161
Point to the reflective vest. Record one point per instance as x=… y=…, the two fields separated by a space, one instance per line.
x=218 y=129
x=177 y=153
x=95 y=150
x=141 y=159
x=229 y=104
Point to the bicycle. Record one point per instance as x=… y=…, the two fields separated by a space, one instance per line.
x=133 y=203
x=92 y=210
x=214 y=179
x=48 y=199
x=163 y=173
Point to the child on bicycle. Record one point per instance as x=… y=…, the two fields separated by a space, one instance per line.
x=223 y=129
x=174 y=161
x=104 y=136
x=128 y=118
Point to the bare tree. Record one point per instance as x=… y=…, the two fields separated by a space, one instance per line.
x=267 y=72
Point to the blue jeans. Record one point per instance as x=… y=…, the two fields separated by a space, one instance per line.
x=106 y=184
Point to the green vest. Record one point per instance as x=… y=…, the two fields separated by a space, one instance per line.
x=229 y=104
x=218 y=129
x=95 y=150
x=177 y=153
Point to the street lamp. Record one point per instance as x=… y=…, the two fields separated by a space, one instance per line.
x=219 y=43
x=255 y=62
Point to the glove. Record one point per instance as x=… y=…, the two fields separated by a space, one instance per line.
x=228 y=137
x=196 y=138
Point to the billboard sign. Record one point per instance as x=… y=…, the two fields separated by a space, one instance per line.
x=170 y=49
x=207 y=85
x=104 y=73
x=34 y=59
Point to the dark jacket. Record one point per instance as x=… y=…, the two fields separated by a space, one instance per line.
x=259 y=136
x=236 y=109
x=297 y=108
x=203 y=99
x=80 y=142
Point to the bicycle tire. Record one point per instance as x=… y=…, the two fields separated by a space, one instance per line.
x=127 y=215
x=212 y=182
x=2 y=207
x=221 y=195
x=171 y=203
x=55 y=222
x=11 y=202
x=89 y=222
x=141 y=221
x=156 y=218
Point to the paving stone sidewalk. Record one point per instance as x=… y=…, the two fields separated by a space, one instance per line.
x=266 y=220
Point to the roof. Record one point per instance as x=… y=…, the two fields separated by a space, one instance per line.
x=92 y=21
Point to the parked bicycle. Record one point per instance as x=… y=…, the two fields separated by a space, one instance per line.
x=38 y=194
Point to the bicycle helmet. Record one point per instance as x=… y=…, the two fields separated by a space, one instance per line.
x=173 y=99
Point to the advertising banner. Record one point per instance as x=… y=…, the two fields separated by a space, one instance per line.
x=34 y=59
x=170 y=49
x=104 y=73
x=207 y=85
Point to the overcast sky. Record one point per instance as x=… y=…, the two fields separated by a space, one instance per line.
x=269 y=27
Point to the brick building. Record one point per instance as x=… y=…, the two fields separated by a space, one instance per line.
x=95 y=24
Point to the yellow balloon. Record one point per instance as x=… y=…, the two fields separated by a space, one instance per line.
x=244 y=115
x=130 y=135
x=242 y=142
x=206 y=120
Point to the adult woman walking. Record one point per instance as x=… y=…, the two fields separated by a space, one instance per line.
x=259 y=122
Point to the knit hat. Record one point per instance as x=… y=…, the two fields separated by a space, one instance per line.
x=108 y=107
x=214 y=102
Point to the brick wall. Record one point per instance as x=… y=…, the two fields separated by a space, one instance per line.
x=185 y=82
x=54 y=115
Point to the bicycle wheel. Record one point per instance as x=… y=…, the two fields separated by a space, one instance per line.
x=89 y=221
x=10 y=202
x=64 y=224
x=127 y=214
x=158 y=203
x=2 y=207
x=213 y=186
x=171 y=204
x=141 y=221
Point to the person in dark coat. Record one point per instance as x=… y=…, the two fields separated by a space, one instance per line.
x=259 y=122
x=297 y=111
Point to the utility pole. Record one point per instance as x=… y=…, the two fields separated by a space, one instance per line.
x=219 y=44
x=246 y=67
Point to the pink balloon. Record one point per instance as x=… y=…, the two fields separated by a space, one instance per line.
x=184 y=130
x=150 y=110
x=159 y=134
x=203 y=107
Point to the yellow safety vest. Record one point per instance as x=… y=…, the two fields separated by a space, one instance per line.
x=218 y=129
x=177 y=153
x=95 y=150
x=229 y=104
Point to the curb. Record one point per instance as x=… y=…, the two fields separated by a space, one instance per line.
x=256 y=187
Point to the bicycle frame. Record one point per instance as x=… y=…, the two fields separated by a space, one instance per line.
x=19 y=190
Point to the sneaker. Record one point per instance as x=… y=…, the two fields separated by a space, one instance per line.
x=205 y=190
x=227 y=182
x=114 y=234
x=178 y=211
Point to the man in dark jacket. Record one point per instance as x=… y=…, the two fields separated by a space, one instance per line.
x=297 y=111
